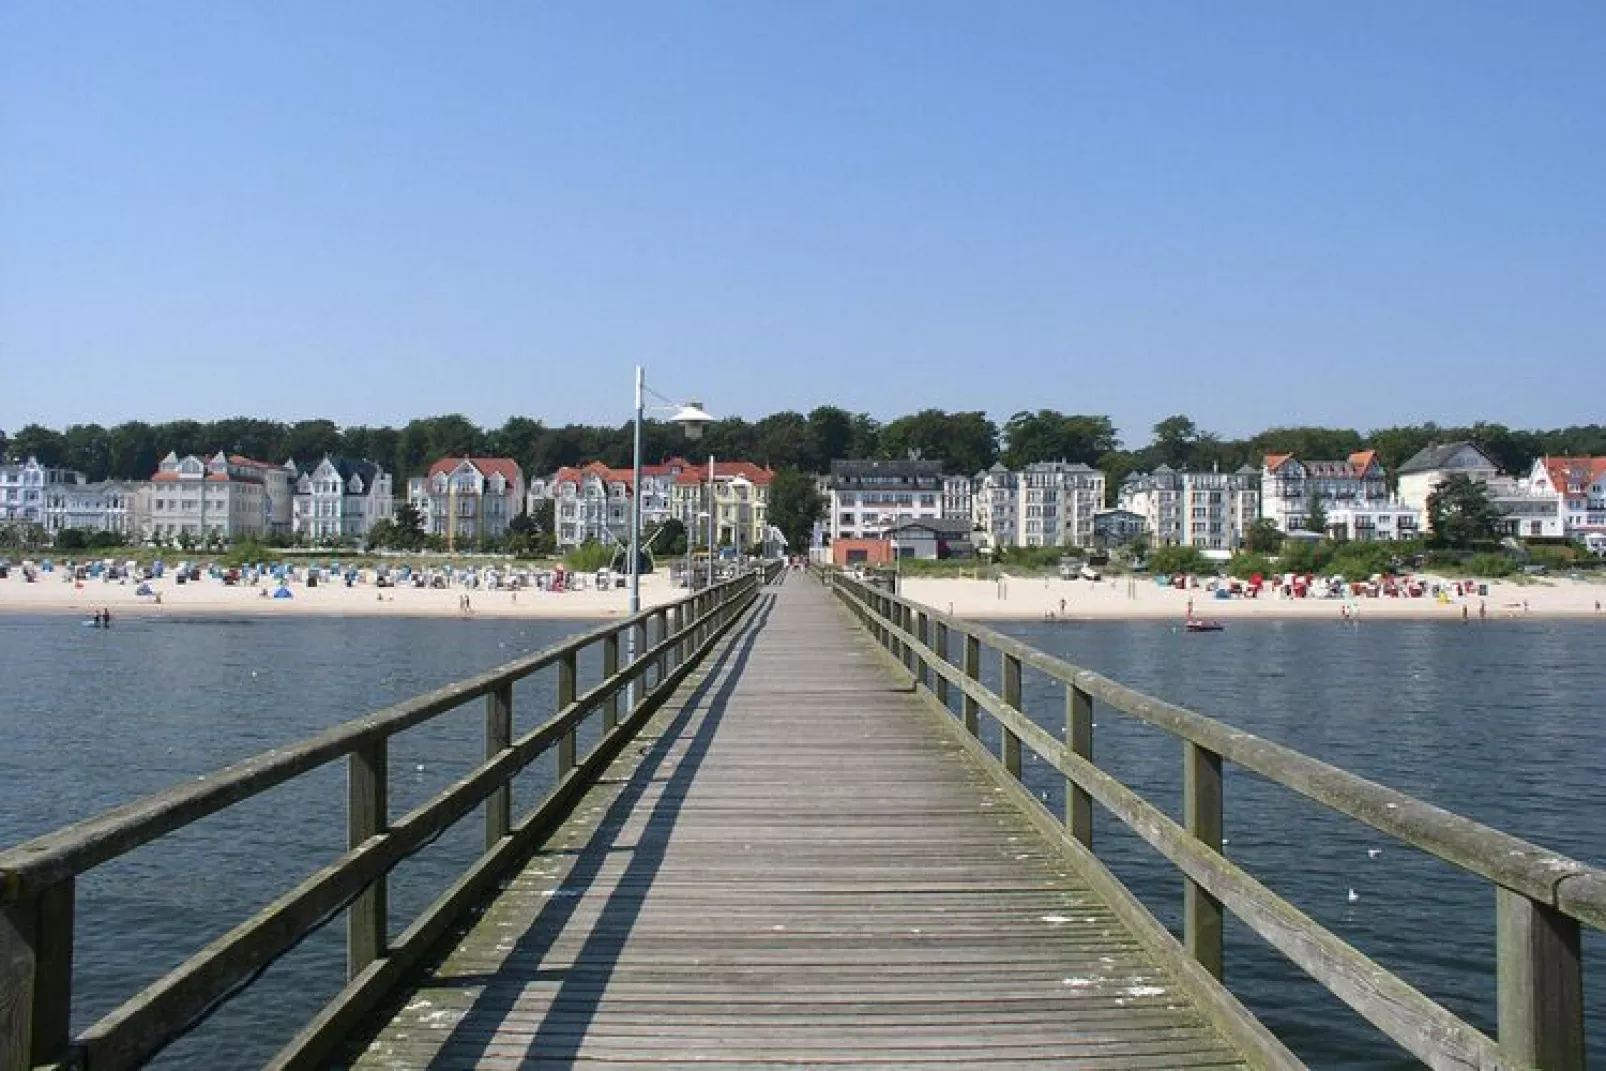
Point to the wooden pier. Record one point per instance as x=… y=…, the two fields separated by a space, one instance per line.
x=794 y=867
x=775 y=835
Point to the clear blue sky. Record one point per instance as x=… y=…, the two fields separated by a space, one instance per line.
x=1254 y=213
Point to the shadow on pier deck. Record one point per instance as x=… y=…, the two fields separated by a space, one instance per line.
x=791 y=865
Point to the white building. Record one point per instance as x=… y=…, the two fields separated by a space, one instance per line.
x=957 y=492
x=466 y=499
x=1287 y=485
x=868 y=497
x=1432 y=465
x=592 y=503
x=221 y=497
x=1046 y=504
x=1057 y=502
x=1371 y=522
x=1580 y=485
x=22 y=489
x=339 y=499
x=1208 y=510
x=995 y=507
x=1532 y=507
x=107 y=506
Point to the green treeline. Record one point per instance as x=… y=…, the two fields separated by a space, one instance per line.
x=965 y=441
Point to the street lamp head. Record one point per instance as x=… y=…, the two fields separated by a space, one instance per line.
x=693 y=418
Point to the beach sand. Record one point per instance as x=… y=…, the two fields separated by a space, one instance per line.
x=1017 y=598
x=1140 y=598
x=51 y=594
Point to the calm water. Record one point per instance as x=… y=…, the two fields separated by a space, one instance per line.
x=1501 y=722
x=92 y=719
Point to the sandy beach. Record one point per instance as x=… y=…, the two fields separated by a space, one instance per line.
x=1015 y=598
x=51 y=594
x=1141 y=598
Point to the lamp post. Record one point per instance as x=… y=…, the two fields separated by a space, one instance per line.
x=693 y=419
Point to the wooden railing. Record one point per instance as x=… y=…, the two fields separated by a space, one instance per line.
x=1541 y=898
x=37 y=879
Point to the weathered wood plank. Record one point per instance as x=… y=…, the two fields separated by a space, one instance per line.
x=789 y=864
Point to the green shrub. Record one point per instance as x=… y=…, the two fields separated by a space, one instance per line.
x=1178 y=560
x=588 y=557
x=1302 y=556
x=1491 y=565
x=1357 y=560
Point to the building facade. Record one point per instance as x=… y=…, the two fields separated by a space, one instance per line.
x=23 y=485
x=592 y=502
x=1530 y=506
x=466 y=499
x=339 y=499
x=868 y=497
x=220 y=497
x=1208 y=510
x=1057 y=502
x=1580 y=485
x=740 y=493
x=1287 y=485
x=106 y=506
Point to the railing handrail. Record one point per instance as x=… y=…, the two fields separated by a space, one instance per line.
x=1507 y=860
x=70 y=850
x=1541 y=897
x=38 y=878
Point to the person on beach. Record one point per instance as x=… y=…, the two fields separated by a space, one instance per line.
x=1483 y=610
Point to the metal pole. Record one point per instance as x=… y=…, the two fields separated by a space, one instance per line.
x=635 y=539
x=712 y=527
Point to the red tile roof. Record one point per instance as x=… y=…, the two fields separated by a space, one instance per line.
x=1277 y=461
x=487 y=466
x=1362 y=460
x=727 y=470
x=690 y=474
x=1558 y=469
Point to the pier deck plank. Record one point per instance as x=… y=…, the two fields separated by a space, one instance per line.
x=791 y=866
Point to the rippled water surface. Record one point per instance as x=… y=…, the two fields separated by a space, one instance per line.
x=1502 y=722
x=92 y=719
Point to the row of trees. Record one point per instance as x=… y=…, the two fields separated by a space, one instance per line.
x=965 y=442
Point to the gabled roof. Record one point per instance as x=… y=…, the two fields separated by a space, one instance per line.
x=1362 y=460
x=505 y=467
x=1434 y=456
x=1277 y=461
x=726 y=470
x=1558 y=469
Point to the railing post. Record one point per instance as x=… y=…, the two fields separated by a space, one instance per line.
x=1541 y=1001
x=973 y=671
x=1202 y=814
x=941 y=643
x=666 y=662
x=906 y=622
x=923 y=631
x=1079 y=738
x=610 y=670
x=498 y=738
x=1010 y=743
x=566 y=745
x=36 y=946
x=367 y=815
